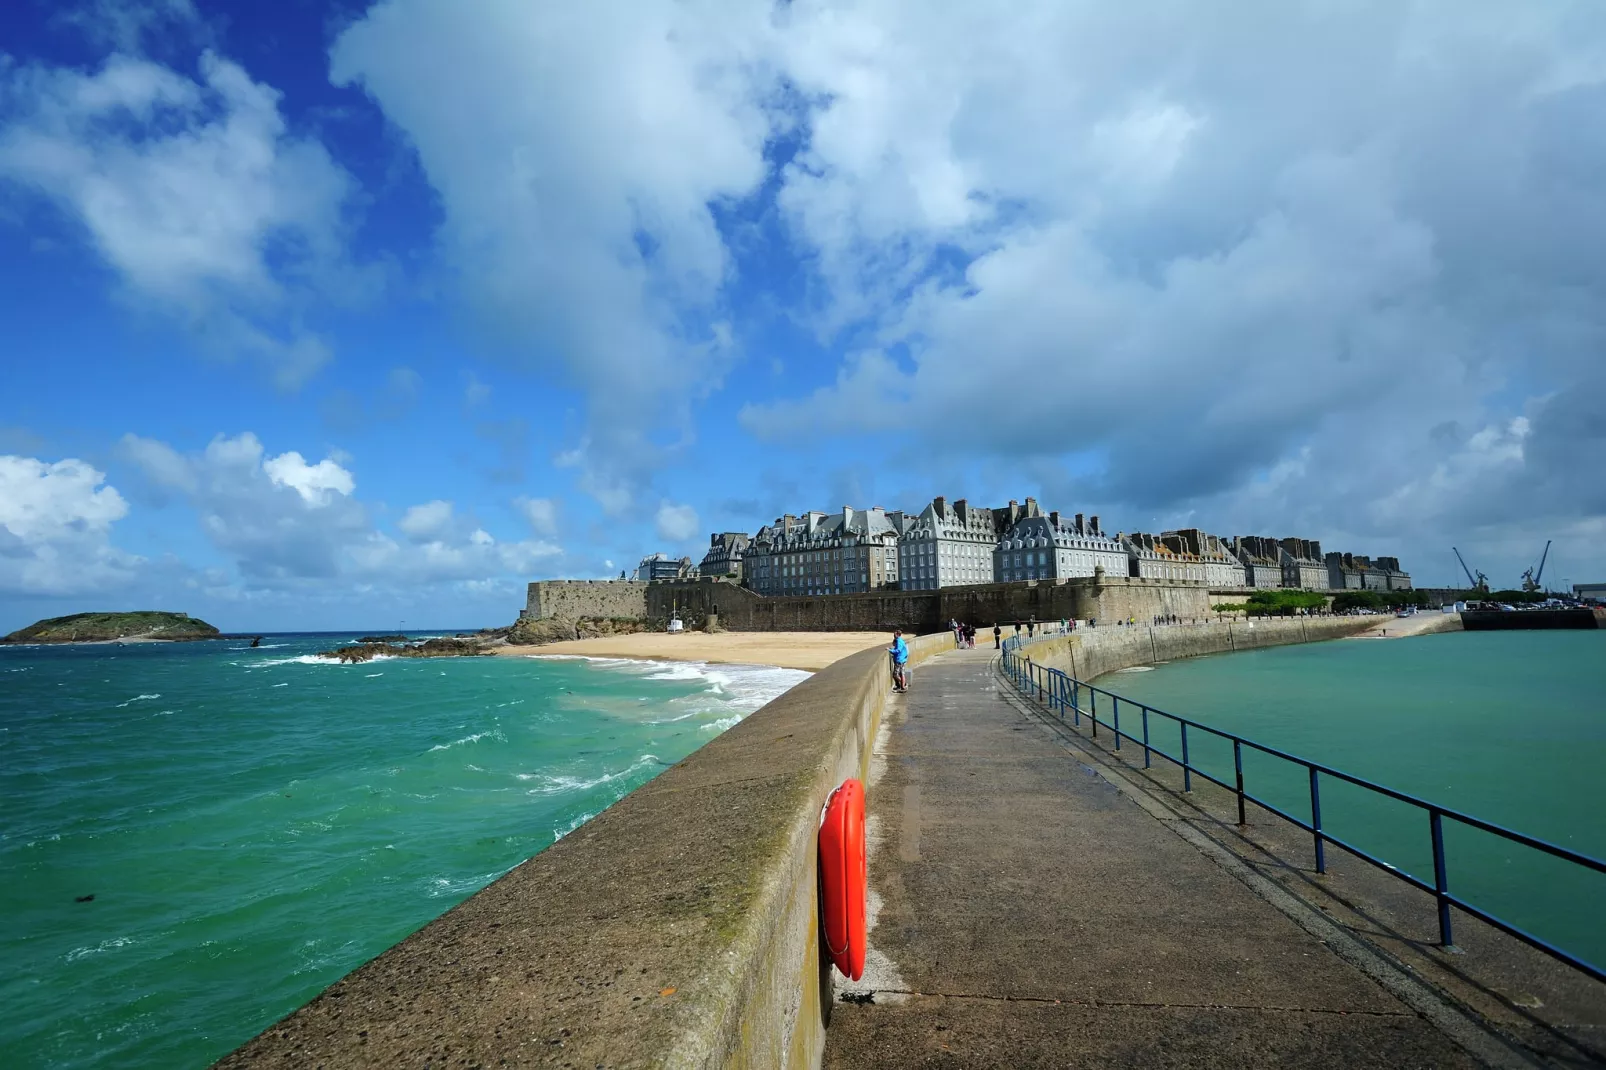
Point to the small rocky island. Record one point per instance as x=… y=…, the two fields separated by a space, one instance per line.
x=143 y=626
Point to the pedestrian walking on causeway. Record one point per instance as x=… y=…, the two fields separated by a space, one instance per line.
x=998 y=636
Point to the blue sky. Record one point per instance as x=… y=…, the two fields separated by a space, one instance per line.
x=328 y=315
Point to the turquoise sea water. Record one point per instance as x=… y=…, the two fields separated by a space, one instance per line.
x=1509 y=727
x=253 y=824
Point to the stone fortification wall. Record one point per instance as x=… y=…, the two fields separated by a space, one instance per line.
x=1091 y=652
x=923 y=611
x=677 y=928
x=574 y=599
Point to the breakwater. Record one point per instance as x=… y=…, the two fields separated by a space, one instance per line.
x=1089 y=653
x=677 y=928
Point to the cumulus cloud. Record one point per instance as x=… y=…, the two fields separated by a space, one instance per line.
x=55 y=524
x=1192 y=250
x=1154 y=255
x=542 y=513
x=677 y=523
x=289 y=524
x=578 y=152
x=316 y=483
x=194 y=190
x=421 y=523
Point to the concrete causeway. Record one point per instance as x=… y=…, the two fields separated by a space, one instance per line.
x=1030 y=915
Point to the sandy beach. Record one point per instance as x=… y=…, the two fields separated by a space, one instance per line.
x=788 y=650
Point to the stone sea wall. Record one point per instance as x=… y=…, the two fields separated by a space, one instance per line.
x=742 y=610
x=678 y=928
x=577 y=599
x=1089 y=653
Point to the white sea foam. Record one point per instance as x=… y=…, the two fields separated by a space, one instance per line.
x=687 y=671
x=300 y=659
x=137 y=698
x=281 y=685
x=105 y=945
x=493 y=733
x=371 y=675
x=722 y=724
x=559 y=833
x=561 y=785
x=442 y=886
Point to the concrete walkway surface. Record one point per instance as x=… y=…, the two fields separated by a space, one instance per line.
x=1029 y=915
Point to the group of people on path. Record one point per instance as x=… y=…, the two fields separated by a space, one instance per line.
x=964 y=634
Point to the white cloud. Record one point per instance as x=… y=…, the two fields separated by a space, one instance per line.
x=316 y=483
x=577 y=152
x=677 y=523
x=542 y=513
x=124 y=25
x=194 y=191
x=293 y=526
x=55 y=523
x=421 y=523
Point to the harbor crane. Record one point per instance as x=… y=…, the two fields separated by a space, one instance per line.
x=1531 y=578
x=1481 y=583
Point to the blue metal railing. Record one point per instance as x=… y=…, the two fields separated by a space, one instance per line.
x=1062 y=693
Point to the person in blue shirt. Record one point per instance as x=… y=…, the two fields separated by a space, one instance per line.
x=900 y=662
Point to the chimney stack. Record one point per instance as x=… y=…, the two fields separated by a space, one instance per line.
x=939 y=506
x=1054 y=519
x=1080 y=528
x=1093 y=525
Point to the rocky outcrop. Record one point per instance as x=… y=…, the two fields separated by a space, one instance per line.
x=555 y=630
x=430 y=648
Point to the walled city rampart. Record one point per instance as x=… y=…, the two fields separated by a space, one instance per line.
x=739 y=609
x=574 y=599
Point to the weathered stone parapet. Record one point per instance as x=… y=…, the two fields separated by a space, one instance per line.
x=1089 y=653
x=676 y=929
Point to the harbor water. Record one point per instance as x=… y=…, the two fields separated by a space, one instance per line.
x=198 y=838
x=1509 y=727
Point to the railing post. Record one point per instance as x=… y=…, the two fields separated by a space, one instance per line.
x=1441 y=879
x=1076 y=701
x=1115 y=715
x=1316 y=822
x=1145 y=710
x=1187 y=770
x=1238 y=767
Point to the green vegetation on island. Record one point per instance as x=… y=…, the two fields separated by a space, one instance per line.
x=107 y=627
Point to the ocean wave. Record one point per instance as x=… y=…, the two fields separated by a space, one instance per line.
x=372 y=675
x=137 y=698
x=722 y=724
x=105 y=945
x=300 y=659
x=688 y=671
x=559 y=833
x=562 y=785
x=441 y=886
x=494 y=733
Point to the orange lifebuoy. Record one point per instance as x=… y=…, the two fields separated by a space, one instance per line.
x=844 y=878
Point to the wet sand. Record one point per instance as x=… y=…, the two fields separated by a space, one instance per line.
x=788 y=650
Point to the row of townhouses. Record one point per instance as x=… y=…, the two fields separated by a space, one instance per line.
x=956 y=544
